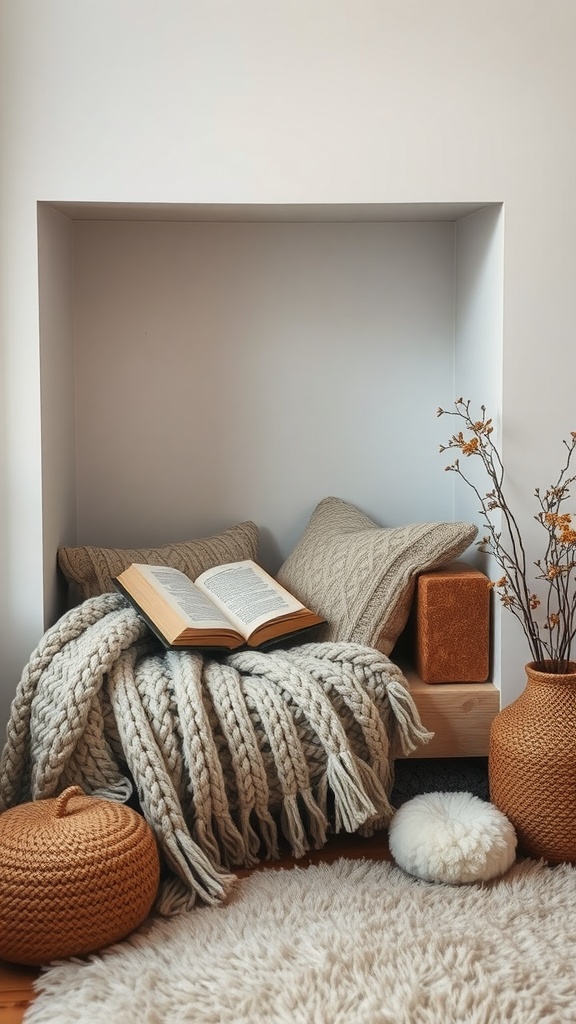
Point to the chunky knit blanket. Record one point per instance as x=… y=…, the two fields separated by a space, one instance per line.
x=227 y=754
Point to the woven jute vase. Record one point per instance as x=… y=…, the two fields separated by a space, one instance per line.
x=532 y=764
x=77 y=873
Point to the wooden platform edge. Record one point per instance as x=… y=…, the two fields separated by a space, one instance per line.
x=459 y=715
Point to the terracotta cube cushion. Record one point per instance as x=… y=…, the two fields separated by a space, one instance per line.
x=451 y=625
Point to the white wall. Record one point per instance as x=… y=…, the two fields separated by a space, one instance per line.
x=479 y=316
x=331 y=101
x=230 y=371
x=58 y=395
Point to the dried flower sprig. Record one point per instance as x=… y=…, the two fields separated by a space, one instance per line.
x=552 y=641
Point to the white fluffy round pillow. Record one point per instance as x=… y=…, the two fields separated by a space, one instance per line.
x=451 y=837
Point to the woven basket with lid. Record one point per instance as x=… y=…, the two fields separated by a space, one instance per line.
x=77 y=873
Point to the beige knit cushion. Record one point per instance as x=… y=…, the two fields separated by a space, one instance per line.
x=360 y=576
x=91 y=569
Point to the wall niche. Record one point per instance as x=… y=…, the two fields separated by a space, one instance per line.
x=202 y=364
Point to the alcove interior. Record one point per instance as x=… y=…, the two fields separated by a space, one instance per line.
x=206 y=364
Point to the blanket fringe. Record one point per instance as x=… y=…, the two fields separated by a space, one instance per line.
x=352 y=806
x=195 y=869
x=410 y=731
x=175 y=897
x=204 y=837
x=293 y=826
x=317 y=820
x=268 y=833
x=375 y=790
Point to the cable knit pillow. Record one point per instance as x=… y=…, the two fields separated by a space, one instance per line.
x=361 y=576
x=92 y=569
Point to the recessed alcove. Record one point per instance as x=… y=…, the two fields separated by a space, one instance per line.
x=205 y=364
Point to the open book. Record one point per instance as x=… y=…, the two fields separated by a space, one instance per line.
x=229 y=606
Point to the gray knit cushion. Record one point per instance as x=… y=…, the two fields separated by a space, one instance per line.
x=91 y=569
x=361 y=576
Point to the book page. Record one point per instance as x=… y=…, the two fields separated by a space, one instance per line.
x=249 y=595
x=185 y=597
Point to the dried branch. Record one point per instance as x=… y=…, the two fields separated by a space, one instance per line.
x=552 y=641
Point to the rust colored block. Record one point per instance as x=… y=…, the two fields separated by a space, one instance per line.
x=451 y=620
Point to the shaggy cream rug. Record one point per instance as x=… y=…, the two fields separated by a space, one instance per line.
x=356 y=942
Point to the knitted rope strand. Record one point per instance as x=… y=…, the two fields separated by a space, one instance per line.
x=251 y=788
x=157 y=796
x=289 y=763
x=91 y=764
x=207 y=785
x=368 y=665
x=156 y=693
x=355 y=691
x=353 y=805
x=15 y=759
x=64 y=696
x=378 y=676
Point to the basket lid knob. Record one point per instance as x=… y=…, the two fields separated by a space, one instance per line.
x=61 y=807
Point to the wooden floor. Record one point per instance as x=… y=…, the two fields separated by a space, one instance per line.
x=16 y=982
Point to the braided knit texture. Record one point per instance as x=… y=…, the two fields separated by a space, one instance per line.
x=228 y=755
